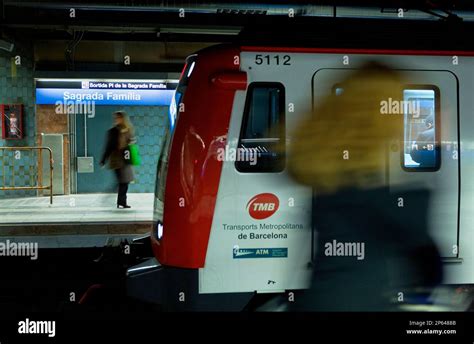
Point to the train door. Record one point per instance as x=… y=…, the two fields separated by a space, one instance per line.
x=422 y=161
x=261 y=232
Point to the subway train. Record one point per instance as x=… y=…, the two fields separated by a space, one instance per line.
x=228 y=226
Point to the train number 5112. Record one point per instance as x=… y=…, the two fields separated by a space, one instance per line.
x=273 y=59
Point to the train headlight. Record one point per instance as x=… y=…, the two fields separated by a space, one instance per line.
x=191 y=69
x=159 y=231
x=173 y=111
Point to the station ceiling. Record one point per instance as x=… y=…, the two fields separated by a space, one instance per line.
x=165 y=32
x=202 y=21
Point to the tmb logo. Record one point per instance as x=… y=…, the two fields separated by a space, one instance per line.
x=263 y=205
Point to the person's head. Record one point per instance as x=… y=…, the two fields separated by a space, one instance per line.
x=119 y=118
x=343 y=143
x=12 y=115
x=429 y=121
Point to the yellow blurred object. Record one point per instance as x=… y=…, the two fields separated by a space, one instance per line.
x=344 y=143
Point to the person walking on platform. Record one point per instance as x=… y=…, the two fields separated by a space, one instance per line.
x=117 y=154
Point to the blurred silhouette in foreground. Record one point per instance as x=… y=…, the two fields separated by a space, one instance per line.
x=371 y=251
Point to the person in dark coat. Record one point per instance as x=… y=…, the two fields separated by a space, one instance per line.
x=116 y=152
x=373 y=245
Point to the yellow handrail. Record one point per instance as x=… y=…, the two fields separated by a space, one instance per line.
x=36 y=187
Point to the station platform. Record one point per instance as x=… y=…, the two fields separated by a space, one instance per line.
x=79 y=220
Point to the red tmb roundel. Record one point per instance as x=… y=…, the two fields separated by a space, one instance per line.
x=263 y=206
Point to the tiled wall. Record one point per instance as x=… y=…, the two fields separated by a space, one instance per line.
x=150 y=124
x=17 y=87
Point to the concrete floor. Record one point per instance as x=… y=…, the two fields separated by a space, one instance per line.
x=84 y=208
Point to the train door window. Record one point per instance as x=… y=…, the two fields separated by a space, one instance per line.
x=421 y=151
x=262 y=135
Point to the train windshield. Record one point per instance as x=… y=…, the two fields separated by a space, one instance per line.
x=176 y=107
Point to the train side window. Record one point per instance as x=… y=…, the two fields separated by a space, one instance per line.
x=263 y=129
x=421 y=151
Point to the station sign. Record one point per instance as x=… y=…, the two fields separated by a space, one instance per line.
x=106 y=92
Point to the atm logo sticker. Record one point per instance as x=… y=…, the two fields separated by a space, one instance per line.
x=280 y=252
x=263 y=206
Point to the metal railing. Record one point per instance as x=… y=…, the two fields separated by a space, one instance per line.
x=35 y=187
